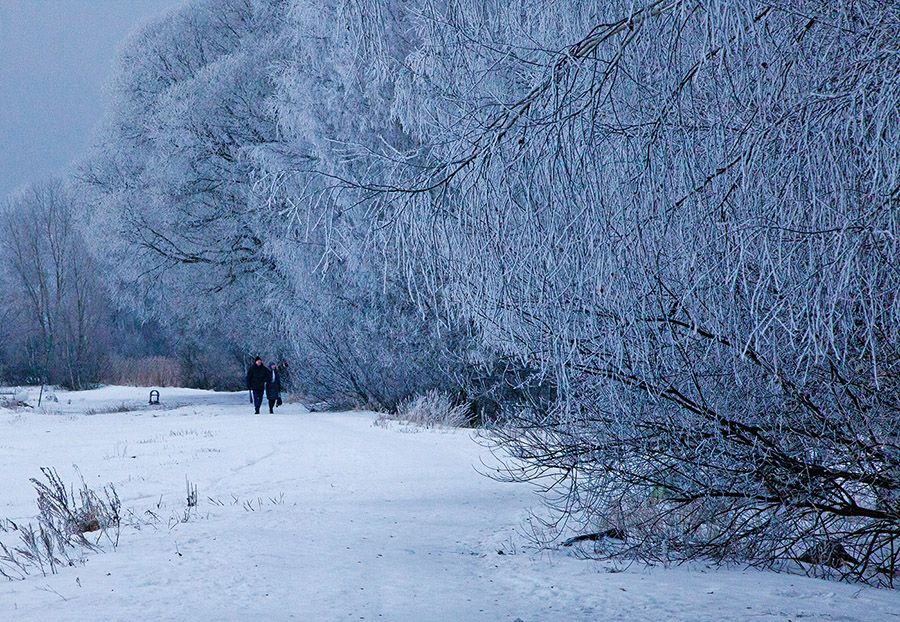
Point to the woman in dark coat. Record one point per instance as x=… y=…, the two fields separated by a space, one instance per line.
x=273 y=388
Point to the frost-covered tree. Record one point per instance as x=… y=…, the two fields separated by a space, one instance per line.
x=220 y=197
x=675 y=221
x=685 y=215
x=171 y=176
x=354 y=327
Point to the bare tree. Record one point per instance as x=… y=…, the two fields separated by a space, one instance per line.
x=60 y=303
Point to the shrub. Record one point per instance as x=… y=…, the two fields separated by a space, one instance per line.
x=148 y=371
x=433 y=409
x=64 y=518
x=68 y=516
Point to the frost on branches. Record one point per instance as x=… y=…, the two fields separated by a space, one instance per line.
x=683 y=216
x=686 y=215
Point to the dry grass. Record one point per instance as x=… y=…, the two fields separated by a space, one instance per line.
x=432 y=409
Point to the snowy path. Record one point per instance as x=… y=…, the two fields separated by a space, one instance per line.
x=328 y=517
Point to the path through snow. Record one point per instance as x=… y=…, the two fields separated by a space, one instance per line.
x=323 y=517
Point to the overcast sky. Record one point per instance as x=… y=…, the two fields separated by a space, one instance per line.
x=55 y=58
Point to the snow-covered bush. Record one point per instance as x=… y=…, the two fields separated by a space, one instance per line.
x=433 y=409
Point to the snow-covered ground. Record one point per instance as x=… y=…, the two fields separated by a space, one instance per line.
x=312 y=516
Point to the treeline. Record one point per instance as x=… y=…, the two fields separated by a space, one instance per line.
x=52 y=300
x=659 y=242
x=60 y=323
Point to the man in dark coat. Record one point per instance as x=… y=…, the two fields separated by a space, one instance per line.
x=257 y=377
x=273 y=388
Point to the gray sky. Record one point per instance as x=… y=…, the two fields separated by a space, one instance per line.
x=55 y=58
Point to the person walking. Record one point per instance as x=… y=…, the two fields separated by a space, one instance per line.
x=273 y=388
x=257 y=378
